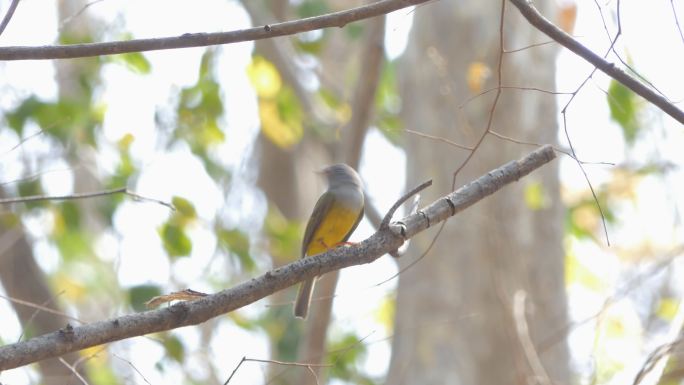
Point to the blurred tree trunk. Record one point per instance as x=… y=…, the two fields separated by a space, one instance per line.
x=454 y=320
x=361 y=86
x=23 y=279
x=286 y=176
x=21 y=276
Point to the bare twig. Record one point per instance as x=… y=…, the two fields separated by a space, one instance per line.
x=132 y=366
x=71 y=338
x=284 y=363
x=41 y=308
x=388 y=217
x=439 y=139
x=335 y=19
x=656 y=356
x=541 y=23
x=525 y=339
x=38 y=309
x=77 y=14
x=35 y=134
x=73 y=371
x=674 y=13
x=120 y=190
x=8 y=15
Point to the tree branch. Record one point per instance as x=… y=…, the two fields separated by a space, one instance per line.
x=75 y=196
x=69 y=338
x=541 y=23
x=335 y=19
x=8 y=15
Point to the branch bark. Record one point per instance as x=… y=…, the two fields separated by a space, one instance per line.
x=386 y=239
x=544 y=25
x=335 y=19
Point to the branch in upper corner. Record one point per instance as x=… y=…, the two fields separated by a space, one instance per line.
x=541 y=23
x=73 y=338
x=335 y=19
x=8 y=15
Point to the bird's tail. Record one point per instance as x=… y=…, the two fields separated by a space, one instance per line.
x=301 y=308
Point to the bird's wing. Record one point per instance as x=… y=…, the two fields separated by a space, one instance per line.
x=351 y=230
x=320 y=211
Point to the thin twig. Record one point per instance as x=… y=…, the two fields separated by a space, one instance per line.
x=77 y=14
x=535 y=18
x=388 y=217
x=8 y=15
x=555 y=148
x=41 y=308
x=679 y=28
x=525 y=339
x=73 y=371
x=132 y=366
x=284 y=363
x=659 y=353
x=120 y=190
x=35 y=134
x=335 y=19
x=439 y=139
x=235 y=370
x=36 y=311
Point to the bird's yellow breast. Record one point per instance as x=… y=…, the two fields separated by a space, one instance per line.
x=333 y=229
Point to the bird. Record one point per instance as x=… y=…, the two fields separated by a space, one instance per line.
x=335 y=216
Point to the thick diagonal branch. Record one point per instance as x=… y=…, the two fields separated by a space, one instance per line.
x=72 y=338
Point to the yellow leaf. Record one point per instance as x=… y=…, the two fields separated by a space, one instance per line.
x=282 y=134
x=567 y=16
x=577 y=273
x=125 y=142
x=385 y=314
x=264 y=77
x=667 y=308
x=478 y=73
x=586 y=217
x=73 y=290
x=535 y=196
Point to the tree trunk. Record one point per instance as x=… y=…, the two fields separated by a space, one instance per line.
x=23 y=279
x=454 y=319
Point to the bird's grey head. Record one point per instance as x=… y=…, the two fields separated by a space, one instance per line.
x=341 y=174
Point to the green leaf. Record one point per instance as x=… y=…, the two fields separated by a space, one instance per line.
x=284 y=236
x=388 y=105
x=31 y=187
x=134 y=61
x=237 y=242
x=577 y=273
x=73 y=244
x=309 y=8
x=354 y=31
x=348 y=353
x=184 y=207
x=138 y=295
x=174 y=348
x=624 y=107
x=175 y=241
x=71 y=214
x=391 y=127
